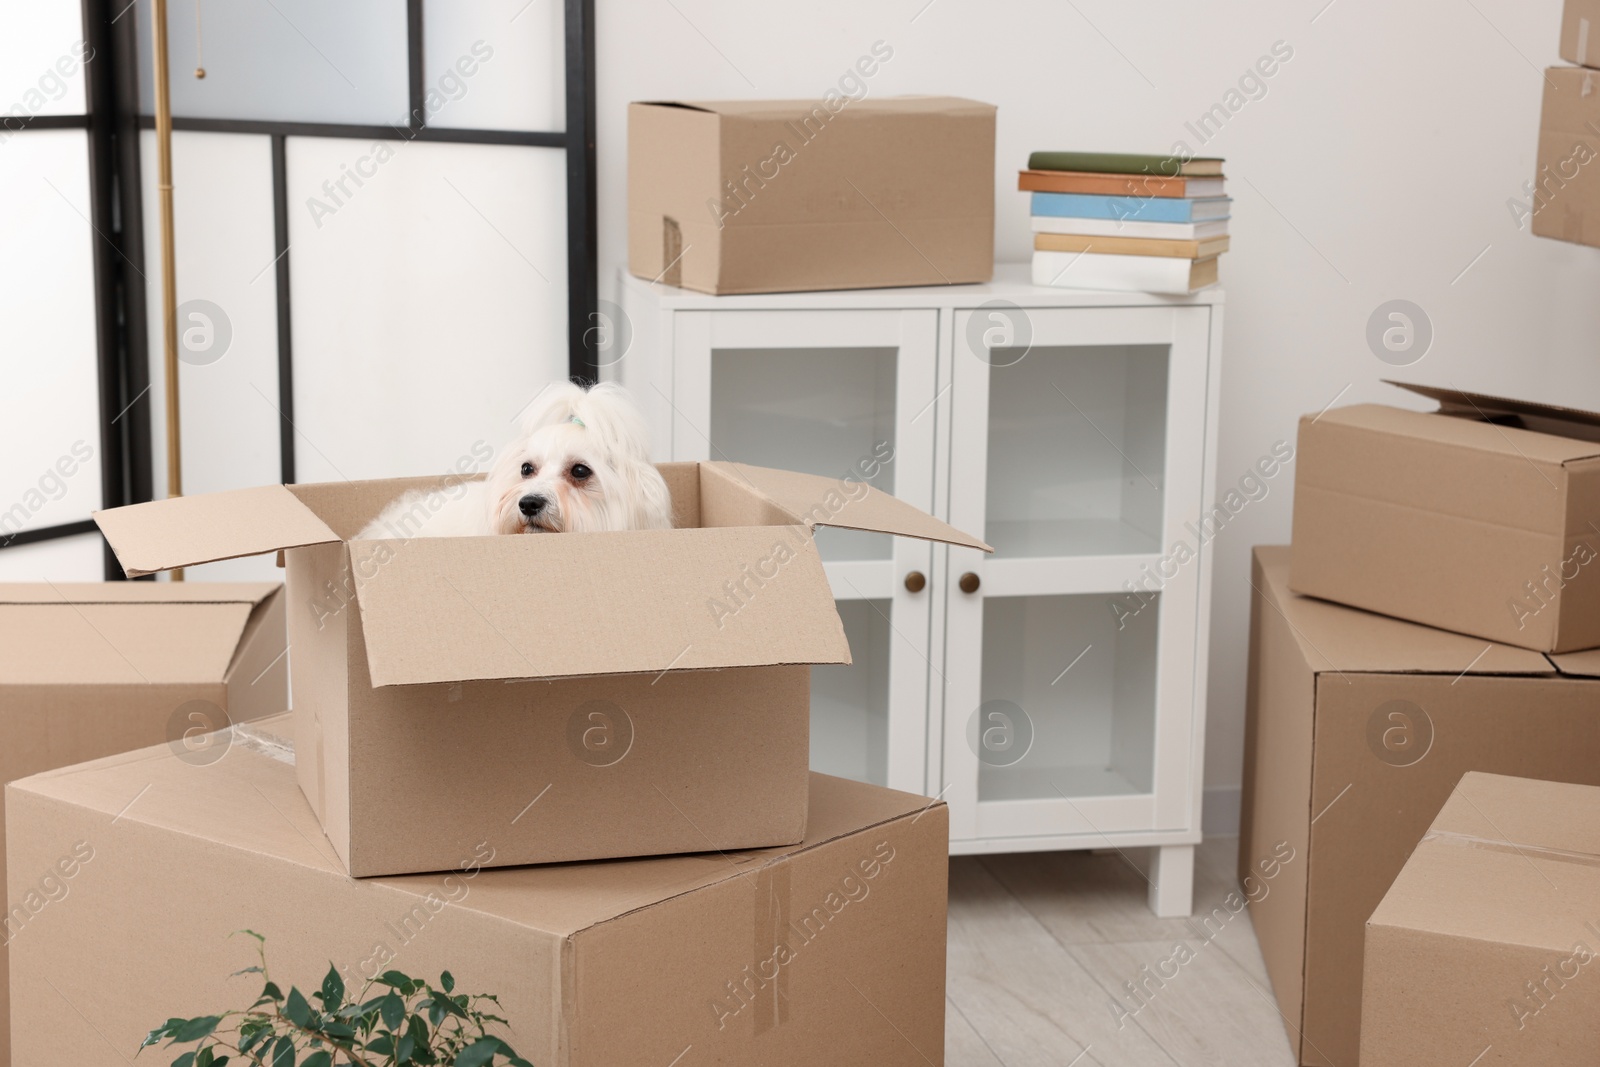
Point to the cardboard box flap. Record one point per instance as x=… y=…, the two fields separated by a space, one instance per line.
x=182 y=531
x=126 y=644
x=1341 y=639
x=818 y=501
x=1585 y=664
x=1521 y=414
x=462 y=609
x=251 y=802
x=899 y=105
x=136 y=592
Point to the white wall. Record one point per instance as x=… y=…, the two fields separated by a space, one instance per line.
x=1376 y=166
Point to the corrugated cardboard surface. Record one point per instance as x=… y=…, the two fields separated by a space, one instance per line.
x=1567 y=178
x=631 y=961
x=1484 y=948
x=478 y=655
x=1580 y=32
x=1452 y=522
x=89 y=669
x=1319 y=776
x=881 y=192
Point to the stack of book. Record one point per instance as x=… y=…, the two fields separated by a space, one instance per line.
x=1126 y=222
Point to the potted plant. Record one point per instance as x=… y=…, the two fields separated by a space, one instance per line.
x=394 y=1020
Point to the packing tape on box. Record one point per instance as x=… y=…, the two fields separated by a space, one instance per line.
x=252 y=739
x=1583 y=46
x=1562 y=855
x=771 y=945
x=671 y=253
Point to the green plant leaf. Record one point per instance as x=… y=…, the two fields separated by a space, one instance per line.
x=318 y=1059
x=186 y=1060
x=296 y=1008
x=272 y=992
x=478 y=1053
x=282 y=1053
x=196 y=1029
x=251 y=933
x=332 y=989
x=393 y=1010
x=447 y=981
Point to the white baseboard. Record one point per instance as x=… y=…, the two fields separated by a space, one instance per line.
x=1220 y=811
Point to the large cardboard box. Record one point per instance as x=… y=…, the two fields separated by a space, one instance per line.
x=769 y=196
x=1357 y=729
x=1482 y=517
x=830 y=951
x=575 y=696
x=1564 y=198
x=1580 y=32
x=1485 y=950
x=89 y=669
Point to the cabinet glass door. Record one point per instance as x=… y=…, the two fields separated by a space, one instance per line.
x=848 y=395
x=1076 y=449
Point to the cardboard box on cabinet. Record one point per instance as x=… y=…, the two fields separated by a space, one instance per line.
x=1358 y=727
x=767 y=196
x=575 y=696
x=91 y=669
x=829 y=950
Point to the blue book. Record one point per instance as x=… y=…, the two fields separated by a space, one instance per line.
x=1131 y=208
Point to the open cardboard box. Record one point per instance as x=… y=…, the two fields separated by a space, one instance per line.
x=1485 y=948
x=1357 y=729
x=1482 y=517
x=574 y=696
x=828 y=951
x=92 y=669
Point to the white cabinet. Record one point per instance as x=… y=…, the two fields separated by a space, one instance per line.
x=1053 y=692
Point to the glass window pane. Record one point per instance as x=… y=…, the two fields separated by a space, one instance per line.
x=1069 y=698
x=429 y=299
x=42 y=53
x=290 y=60
x=494 y=64
x=818 y=410
x=850 y=702
x=62 y=559
x=227 y=321
x=50 y=410
x=1077 y=445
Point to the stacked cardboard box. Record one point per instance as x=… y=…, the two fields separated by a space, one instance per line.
x=1359 y=725
x=87 y=670
x=486 y=702
x=1126 y=222
x=1563 y=199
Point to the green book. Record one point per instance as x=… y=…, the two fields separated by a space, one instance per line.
x=1126 y=163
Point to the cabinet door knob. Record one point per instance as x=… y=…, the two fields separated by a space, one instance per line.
x=916 y=582
x=969 y=582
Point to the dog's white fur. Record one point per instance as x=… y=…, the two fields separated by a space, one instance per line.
x=583 y=456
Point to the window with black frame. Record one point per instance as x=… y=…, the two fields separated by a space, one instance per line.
x=384 y=235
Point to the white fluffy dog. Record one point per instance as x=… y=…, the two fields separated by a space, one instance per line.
x=581 y=465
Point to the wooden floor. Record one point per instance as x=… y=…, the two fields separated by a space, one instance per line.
x=1042 y=946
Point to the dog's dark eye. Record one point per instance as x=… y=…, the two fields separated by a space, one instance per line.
x=527 y=470
x=580 y=472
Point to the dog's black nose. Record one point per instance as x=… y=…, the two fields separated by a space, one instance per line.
x=531 y=504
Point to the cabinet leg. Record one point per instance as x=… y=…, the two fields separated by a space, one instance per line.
x=1172 y=881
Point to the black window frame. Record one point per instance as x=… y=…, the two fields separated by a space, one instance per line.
x=113 y=122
